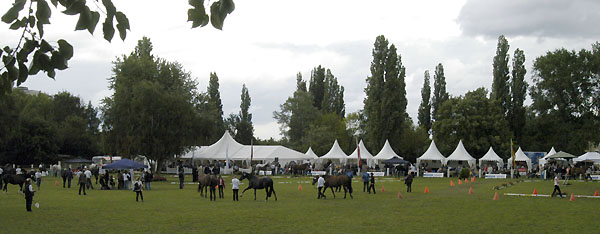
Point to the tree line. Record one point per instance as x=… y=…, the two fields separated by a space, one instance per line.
x=157 y=110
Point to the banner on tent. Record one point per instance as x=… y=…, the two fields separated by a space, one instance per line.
x=314 y=173
x=495 y=176
x=595 y=177
x=433 y=174
x=377 y=173
x=263 y=172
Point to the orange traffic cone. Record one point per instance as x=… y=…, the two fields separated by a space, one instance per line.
x=400 y=195
x=217 y=186
x=452 y=183
x=534 y=191
x=382 y=189
x=426 y=190
x=459 y=181
x=466 y=181
x=596 y=193
x=300 y=187
x=473 y=179
x=572 y=197
x=496 y=196
x=56 y=183
x=470 y=190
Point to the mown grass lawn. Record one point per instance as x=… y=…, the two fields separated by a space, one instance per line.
x=167 y=209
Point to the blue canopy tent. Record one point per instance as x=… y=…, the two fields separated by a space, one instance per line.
x=125 y=164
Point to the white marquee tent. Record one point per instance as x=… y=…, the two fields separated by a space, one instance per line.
x=544 y=160
x=460 y=154
x=386 y=153
x=588 y=157
x=227 y=147
x=432 y=155
x=364 y=154
x=310 y=154
x=493 y=157
x=335 y=154
x=521 y=157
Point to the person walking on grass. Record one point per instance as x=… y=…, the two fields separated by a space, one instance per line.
x=181 y=178
x=365 y=178
x=221 y=185
x=148 y=179
x=69 y=176
x=372 y=184
x=88 y=178
x=235 y=186
x=556 y=187
x=38 y=179
x=137 y=188
x=320 y=185
x=29 y=192
x=82 y=183
x=408 y=181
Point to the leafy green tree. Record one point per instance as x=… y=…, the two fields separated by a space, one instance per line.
x=500 y=85
x=328 y=95
x=151 y=112
x=296 y=115
x=518 y=92
x=385 y=104
x=414 y=141
x=245 y=130
x=424 y=115
x=439 y=90
x=565 y=97
x=324 y=131
x=48 y=58
x=215 y=107
x=474 y=119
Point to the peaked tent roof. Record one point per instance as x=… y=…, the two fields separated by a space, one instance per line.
x=491 y=156
x=386 y=152
x=550 y=153
x=220 y=149
x=461 y=154
x=396 y=160
x=309 y=153
x=364 y=153
x=335 y=152
x=432 y=154
x=562 y=154
x=588 y=157
x=125 y=164
x=520 y=156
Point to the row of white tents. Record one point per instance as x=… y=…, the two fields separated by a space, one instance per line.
x=227 y=148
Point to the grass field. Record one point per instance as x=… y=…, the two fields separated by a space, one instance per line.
x=167 y=209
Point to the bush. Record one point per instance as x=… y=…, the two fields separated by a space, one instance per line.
x=464 y=173
x=158 y=178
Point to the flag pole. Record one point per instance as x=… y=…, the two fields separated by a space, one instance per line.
x=512 y=154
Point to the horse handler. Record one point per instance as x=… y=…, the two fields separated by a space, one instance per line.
x=29 y=192
x=320 y=185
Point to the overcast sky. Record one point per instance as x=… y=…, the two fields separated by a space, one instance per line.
x=265 y=43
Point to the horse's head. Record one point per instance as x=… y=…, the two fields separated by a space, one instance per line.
x=244 y=176
x=315 y=180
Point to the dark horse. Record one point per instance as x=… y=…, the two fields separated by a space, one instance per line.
x=335 y=181
x=204 y=181
x=300 y=169
x=259 y=183
x=16 y=180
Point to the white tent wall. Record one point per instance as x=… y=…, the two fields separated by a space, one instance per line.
x=386 y=153
x=521 y=157
x=364 y=155
x=491 y=158
x=335 y=154
x=460 y=157
x=432 y=157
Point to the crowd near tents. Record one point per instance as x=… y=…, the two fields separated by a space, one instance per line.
x=226 y=149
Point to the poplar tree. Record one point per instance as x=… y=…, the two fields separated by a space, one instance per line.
x=439 y=90
x=500 y=86
x=425 y=107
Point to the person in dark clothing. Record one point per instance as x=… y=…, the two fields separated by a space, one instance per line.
x=29 y=192
x=148 y=179
x=213 y=193
x=82 y=183
x=408 y=181
x=206 y=170
x=181 y=178
x=194 y=174
x=69 y=177
x=216 y=170
x=365 y=178
x=63 y=174
x=372 y=184
x=221 y=185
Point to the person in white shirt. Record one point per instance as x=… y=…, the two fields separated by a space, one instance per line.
x=235 y=185
x=38 y=179
x=126 y=180
x=320 y=184
x=18 y=170
x=556 y=183
x=88 y=177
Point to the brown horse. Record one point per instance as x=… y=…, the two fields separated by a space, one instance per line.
x=299 y=169
x=335 y=181
x=204 y=181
